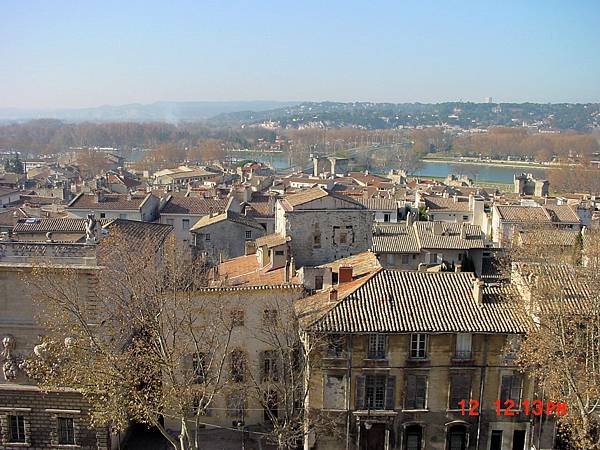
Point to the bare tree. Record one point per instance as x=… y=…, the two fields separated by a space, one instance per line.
x=133 y=338
x=559 y=287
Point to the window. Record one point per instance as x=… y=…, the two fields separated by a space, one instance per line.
x=413 y=435
x=270 y=406
x=102 y=215
x=170 y=222
x=343 y=237
x=207 y=237
x=238 y=366
x=433 y=258
x=336 y=346
x=418 y=346
x=390 y=257
x=465 y=217
x=236 y=405
x=457 y=438
x=377 y=346
x=248 y=235
x=237 y=318
x=463 y=346
x=279 y=252
x=185 y=224
x=269 y=365
x=199 y=363
x=496 y=440
x=386 y=217
x=416 y=392
x=460 y=389
x=334 y=391
x=318 y=282
x=375 y=391
x=404 y=259
x=317 y=241
x=270 y=317
x=122 y=216
x=16 y=429
x=66 y=431
x=510 y=389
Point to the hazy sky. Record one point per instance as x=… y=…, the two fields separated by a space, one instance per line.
x=88 y=53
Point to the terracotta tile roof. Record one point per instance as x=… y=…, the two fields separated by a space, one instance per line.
x=181 y=204
x=409 y=302
x=315 y=193
x=136 y=230
x=10 y=216
x=448 y=204
x=246 y=270
x=453 y=236
x=362 y=263
x=394 y=238
x=379 y=204
x=227 y=215
x=120 y=202
x=562 y=213
x=367 y=179
x=58 y=225
x=549 y=236
x=271 y=240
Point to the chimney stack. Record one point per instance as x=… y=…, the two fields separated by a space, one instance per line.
x=333 y=295
x=437 y=228
x=478 y=291
x=344 y=274
x=463 y=231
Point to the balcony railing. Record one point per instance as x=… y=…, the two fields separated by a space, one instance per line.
x=463 y=355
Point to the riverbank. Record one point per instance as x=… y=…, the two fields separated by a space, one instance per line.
x=491 y=163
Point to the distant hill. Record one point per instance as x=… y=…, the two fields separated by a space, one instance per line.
x=171 y=112
x=545 y=116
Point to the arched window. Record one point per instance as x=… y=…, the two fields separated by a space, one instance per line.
x=457 y=437
x=413 y=437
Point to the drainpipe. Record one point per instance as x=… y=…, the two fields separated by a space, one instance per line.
x=349 y=388
x=481 y=386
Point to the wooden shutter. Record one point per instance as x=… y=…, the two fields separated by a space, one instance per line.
x=421 y=391
x=390 y=393
x=360 y=392
x=505 y=389
x=411 y=390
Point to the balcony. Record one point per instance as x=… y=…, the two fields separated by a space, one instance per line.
x=462 y=357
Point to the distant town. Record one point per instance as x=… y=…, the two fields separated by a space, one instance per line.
x=298 y=281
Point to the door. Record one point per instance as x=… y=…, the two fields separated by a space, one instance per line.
x=518 y=440
x=373 y=438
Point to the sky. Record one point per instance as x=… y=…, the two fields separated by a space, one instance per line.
x=56 y=54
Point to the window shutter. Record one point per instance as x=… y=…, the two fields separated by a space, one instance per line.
x=360 y=392
x=390 y=391
x=421 y=396
x=505 y=389
x=410 y=392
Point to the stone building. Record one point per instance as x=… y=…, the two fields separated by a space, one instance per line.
x=526 y=184
x=137 y=206
x=410 y=245
x=30 y=418
x=323 y=226
x=405 y=349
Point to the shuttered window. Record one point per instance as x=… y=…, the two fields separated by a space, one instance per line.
x=510 y=389
x=460 y=389
x=416 y=392
x=375 y=392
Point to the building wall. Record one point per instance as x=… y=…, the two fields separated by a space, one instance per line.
x=227 y=239
x=488 y=365
x=181 y=231
x=328 y=222
x=19 y=396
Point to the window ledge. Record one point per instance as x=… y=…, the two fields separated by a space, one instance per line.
x=415 y=410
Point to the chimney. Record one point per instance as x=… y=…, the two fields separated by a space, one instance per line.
x=249 y=248
x=345 y=274
x=463 y=231
x=437 y=228
x=409 y=218
x=455 y=197
x=99 y=196
x=333 y=295
x=478 y=291
x=292 y=267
